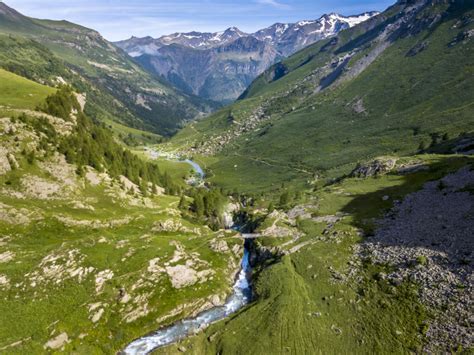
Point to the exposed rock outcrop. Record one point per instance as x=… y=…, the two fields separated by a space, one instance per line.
x=376 y=167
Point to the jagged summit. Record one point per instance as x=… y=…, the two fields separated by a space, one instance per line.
x=199 y=67
x=294 y=35
x=233 y=29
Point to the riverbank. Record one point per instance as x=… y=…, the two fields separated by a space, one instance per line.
x=240 y=297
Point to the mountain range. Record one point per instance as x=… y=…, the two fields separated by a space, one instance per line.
x=219 y=66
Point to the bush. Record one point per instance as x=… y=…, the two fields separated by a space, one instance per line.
x=421 y=260
x=284 y=199
x=31 y=157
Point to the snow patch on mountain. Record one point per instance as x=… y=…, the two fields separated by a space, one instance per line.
x=292 y=34
x=220 y=65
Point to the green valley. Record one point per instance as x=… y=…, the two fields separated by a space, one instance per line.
x=328 y=210
x=292 y=128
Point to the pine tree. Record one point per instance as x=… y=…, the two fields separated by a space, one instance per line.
x=271 y=207
x=182 y=203
x=199 y=206
x=284 y=199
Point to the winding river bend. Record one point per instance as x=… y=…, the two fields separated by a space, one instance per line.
x=155 y=154
x=242 y=294
x=197 y=168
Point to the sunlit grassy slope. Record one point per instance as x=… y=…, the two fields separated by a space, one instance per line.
x=303 y=308
x=82 y=256
x=402 y=102
x=18 y=92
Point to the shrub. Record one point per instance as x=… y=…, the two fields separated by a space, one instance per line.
x=421 y=260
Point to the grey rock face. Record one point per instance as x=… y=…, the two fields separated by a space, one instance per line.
x=289 y=38
x=375 y=167
x=221 y=73
x=220 y=66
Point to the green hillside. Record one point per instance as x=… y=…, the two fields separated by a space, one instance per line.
x=348 y=167
x=402 y=89
x=18 y=92
x=118 y=88
x=317 y=295
x=85 y=229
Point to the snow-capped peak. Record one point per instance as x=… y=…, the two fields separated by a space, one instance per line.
x=305 y=22
x=285 y=37
x=355 y=20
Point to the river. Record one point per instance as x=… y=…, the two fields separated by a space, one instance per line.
x=155 y=154
x=242 y=295
x=197 y=168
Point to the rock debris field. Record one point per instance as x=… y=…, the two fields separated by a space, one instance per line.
x=428 y=239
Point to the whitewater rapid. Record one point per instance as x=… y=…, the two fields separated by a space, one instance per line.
x=242 y=294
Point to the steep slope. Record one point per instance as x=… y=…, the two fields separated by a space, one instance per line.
x=93 y=253
x=219 y=66
x=133 y=96
x=220 y=73
x=392 y=85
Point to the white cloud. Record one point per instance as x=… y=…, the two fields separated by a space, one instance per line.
x=273 y=3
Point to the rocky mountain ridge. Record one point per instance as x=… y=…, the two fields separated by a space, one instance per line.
x=219 y=66
x=279 y=35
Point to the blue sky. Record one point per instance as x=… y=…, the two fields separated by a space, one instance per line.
x=119 y=19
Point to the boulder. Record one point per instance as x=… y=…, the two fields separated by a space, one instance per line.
x=374 y=168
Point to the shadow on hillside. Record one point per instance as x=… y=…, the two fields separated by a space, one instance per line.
x=424 y=211
x=463 y=144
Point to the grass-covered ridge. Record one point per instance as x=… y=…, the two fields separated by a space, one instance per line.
x=93 y=253
x=119 y=89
